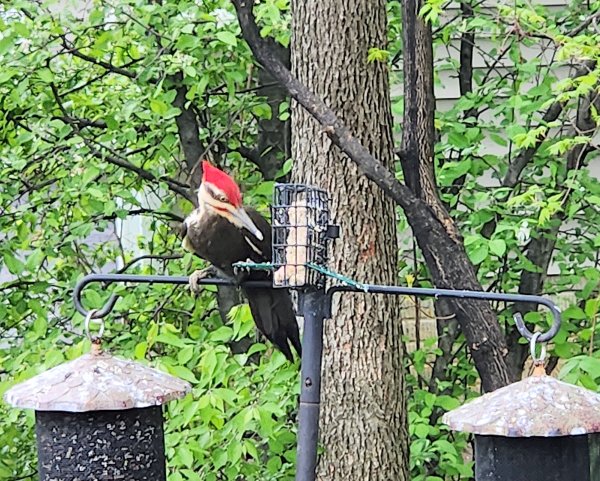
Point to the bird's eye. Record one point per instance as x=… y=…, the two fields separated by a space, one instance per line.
x=216 y=195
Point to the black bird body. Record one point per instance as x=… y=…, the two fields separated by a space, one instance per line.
x=218 y=241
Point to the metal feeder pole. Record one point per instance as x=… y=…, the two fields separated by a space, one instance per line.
x=315 y=307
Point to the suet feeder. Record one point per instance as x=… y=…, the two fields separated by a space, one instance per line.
x=99 y=418
x=538 y=429
x=301 y=232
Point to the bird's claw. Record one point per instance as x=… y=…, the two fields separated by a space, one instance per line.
x=240 y=271
x=197 y=276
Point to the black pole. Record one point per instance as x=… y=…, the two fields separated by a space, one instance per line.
x=310 y=389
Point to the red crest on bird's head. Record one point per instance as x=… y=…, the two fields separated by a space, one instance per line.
x=222 y=181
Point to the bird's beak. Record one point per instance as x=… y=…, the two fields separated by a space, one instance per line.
x=244 y=219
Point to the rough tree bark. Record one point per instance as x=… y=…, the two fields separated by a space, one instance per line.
x=363 y=418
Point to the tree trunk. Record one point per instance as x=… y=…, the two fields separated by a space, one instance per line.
x=441 y=242
x=363 y=418
x=273 y=134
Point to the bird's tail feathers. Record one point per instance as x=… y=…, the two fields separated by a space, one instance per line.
x=274 y=316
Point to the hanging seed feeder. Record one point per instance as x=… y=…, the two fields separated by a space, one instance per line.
x=99 y=417
x=538 y=429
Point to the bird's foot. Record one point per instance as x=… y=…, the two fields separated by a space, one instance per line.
x=241 y=273
x=197 y=276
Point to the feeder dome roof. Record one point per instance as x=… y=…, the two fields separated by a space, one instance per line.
x=536 y=406
x=97 y=382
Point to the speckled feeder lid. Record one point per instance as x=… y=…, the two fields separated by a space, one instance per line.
x=536 y=406
x=97 y=382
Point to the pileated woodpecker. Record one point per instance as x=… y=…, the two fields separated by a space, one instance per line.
x=222 y=231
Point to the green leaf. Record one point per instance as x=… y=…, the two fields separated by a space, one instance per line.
x=185 y=355
x=377 y=55
x=224 y=333
x=479 y=254
x=46 y=75
x=140 y=350
x=183 y=373
x=14 y=265
x=498 y=247
x=227 y=38
x=34 y=260
x=421 y=430
x=170 y=339
x=574 y=312
x=454 y=170
x=262 y=111
x=219 y=458
x=274 y=464
x=152 y=334
x=158 y=107
x=40 y=327
x=447 y=402
x=186 y=456
x=234 y=453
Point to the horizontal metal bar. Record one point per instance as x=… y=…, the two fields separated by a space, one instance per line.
x=364 y=288
x=140 y=279
x=463 y=294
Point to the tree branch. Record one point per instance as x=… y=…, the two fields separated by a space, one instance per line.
x=339 y=134
x=516 y=167
x=519 y=163
x=141 y=211
x=187 y=127
x=525 y=156
x=164 y=257
x=541 y=247
x=142 y=173
x=108 y=66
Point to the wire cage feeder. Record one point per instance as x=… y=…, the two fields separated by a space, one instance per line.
x=301 y=231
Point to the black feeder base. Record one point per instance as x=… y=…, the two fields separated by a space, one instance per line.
x=101 y=445
x=563 y=458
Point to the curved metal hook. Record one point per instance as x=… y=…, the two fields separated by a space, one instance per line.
x=93 y=313
x=543 y=337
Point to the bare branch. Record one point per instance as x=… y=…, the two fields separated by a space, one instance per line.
x=106 y=65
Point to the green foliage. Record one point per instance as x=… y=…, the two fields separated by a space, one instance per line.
x=90 y=144
x=240 y=421
x=377 y=55
x=435 y=452
x=89 y=153
x=517 y=182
